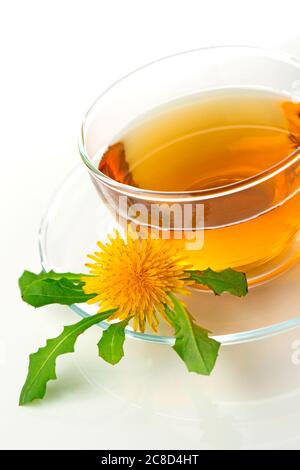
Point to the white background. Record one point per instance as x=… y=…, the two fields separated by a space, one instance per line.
x=56 y=57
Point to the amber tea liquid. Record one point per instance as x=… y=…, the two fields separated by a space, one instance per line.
x=214 y=140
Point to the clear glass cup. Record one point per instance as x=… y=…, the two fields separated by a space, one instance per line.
x=273 y=224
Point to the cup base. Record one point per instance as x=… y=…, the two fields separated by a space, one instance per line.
x=278 y=265
x=269 y=271
x=77 y=219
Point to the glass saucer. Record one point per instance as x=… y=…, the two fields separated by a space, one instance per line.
x=76 y=219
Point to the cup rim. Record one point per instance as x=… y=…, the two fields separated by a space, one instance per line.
x=198 y=194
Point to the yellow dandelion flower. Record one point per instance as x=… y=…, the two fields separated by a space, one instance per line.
x=136 y=276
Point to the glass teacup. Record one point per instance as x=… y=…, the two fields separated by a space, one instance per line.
x=217 y=227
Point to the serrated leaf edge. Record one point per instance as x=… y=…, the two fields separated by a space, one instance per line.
x=118 y=324
x=90 y=321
